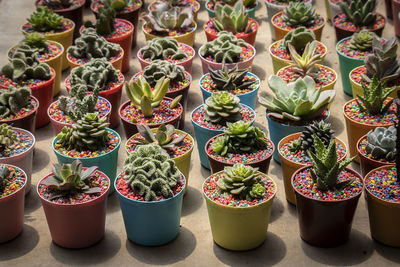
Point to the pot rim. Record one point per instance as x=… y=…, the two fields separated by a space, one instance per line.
x=377 y=13
x=361 y=155
x=45 y=34
x=5 y=198
x=229 y=64
x=140 y=57
x=316 y=29
x=27 y=115
x=81 y=3
x=305 y=122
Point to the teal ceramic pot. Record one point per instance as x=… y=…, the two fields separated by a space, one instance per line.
x=249 y=99
x=251 y=12
x=151 y=223
x=106 y=163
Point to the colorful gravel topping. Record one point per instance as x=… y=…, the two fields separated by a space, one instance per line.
x=245 y=158
x=174 y=85
x=15 y=182
x=185 y=48
x=82 y=61
x=176 y=151
x=362 y=148
x=343 y=48
x=212 y=192
x=52 y=52
x=26 y=141
x=126 y=190
x=96 y=180
x=120 y=29
x=357 y=78
x=198 y=118
x=278 y=22
x=112 y=144
x=383 y=184
x=171 y=33
x=279 y=50
x=24 y=112
x=67 y=25
x=132 y=6
x=301 y=156
x=183 y=3
x=211 y=5
x=162 y=114
x=352 y=111
x=340 y=21
x=108 y=87
x=207 y=84
x=323 y=75
x=5 y=82
x=74 y=4
x=304 y=184
x=247 y=53
x=103 y=107
x=210 y=28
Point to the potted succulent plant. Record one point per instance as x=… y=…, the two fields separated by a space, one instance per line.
x=149 y=107
x=100 y=74
x=70 y=9
x=49 y=52
x=53 y=27
x=293 y=152
x=289 y=113
x=228 y=49
x=327 y=195
x=333 y=7
x=74 y=200
x=91 y=45
x=377 y=148
x=12 y=200
x=239 y=202
x=295 y=15
x=193 y=4
x=241 y=83
x=367 y=112
x=249 y=5
x=18 y=108
x=382 y=62
x=306 y=65
x=154 y=197
x=232 y=19
x=356 y=16
x=66 y=111
x=178 y=144
x=90 y=141
x=118 y=31
x=28 y=71
x=210 y=119
x=298 y=38
x=125 y=9
x=240 y=143
x=179 y=25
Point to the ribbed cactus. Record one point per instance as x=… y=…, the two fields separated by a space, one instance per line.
x=12 y=100
x=45 y=20
x=226 y=48
x=360 y=12
x=242 y=181
x=230 y=79
x=90 y=45
x=299 y=14
x=96 y=74
x=381 y=143
x=8 y=139
x=4 y=176
x=222 y=107
x=231 y=19
x=299 y=38
x=105 y=20
x=162 y=68
x=58 y=4
x=162 y=48
x=306 y=141
x=151 y=173
x=362 y=41
x=89 y=134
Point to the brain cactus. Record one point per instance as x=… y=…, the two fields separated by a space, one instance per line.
x=8 y=139
x=230 y=79
x=150 y=173
x=222 y=107
x=4 y=177
x=231 y=19
x=44 y=20
x=299 y=14
x=242 y=181
x=105 y=21
x=381 y=143
x=13 y=100
x=362 y=41
x=162 y=68
x=360 y=12
x=162 y=48
x=306 y=141
x=299 y=38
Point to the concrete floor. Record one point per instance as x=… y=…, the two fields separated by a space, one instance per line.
x=194 y=245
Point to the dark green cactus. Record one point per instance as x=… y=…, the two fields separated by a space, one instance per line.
x=12 y=100
x=58 y=4
x=151 y=173
x=381 y=143
x=8 y=139
x=299 y=14
x=230 y=79
x=162 y=48
x=222 y=107
x=118 y=5
x=162 y=68
x=231 y=19
x=306 y=141
x=360 y=12
x=4 y=177
x=299 y=38
x=105 y=21
x=45 y=20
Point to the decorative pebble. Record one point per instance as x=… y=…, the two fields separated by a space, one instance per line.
x=341 y=22
x=353 y=112
x=247 y=53
x=323 y=75
x=15 y=182
x=356 y=77
x=383 y=184
x=210 y=28
x=362 y=146
x=67 y=25
x=132 y=6
x=109 y=86
x=279 y=50
x=185 y=48
x=208 y=84
x=24 y=112
x=278 y=22
x=53 y=51
x=6 y=82
x=174 y=85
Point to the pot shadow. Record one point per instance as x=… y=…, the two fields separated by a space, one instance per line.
x=292 y=209
x=337 y=125
x=259 y=71
x=277 y=210
x=259 y=46
x=21 y=245
x=181 y=247
x=192 y=201
x=271 y=252
x=390 y=253
x=113 y=203
x=205 y=172
x=32 y=202
x=44 y=133
x=356 y=250
x=102 y=251
x=41 y=159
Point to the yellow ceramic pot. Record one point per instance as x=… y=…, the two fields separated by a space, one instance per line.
x=117 y=62
x=187 y=38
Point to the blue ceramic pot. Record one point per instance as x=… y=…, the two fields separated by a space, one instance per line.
x=249 y=99
x=151 y=223
x=107 y=163
x=251 y=12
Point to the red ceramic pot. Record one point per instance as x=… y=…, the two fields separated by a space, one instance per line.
x=395 y=12
x=76 y=225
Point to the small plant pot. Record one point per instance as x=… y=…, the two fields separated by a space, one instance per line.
x=186 y=63
x=115 y=61
x=77 y=225
x=186 y=38
x=289 y=166
x=195 y=5
x=64 y=37
x=247 y=62
x=396 y=19
x=212 y=32
x=218 y=163
x=384 y=214
x=12 y=206
x=388 y=9
x=239 y=228
x=27 y=120
x=112 y=94
x=367 y=163
x=106 y=162
x=334 y=8
x=159 y=221
x=325 y=223
x=251 y=11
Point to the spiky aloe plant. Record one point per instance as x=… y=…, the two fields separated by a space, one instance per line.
x=303 y=64
x=230 y=79
x=231 y=19
x=360 y=12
